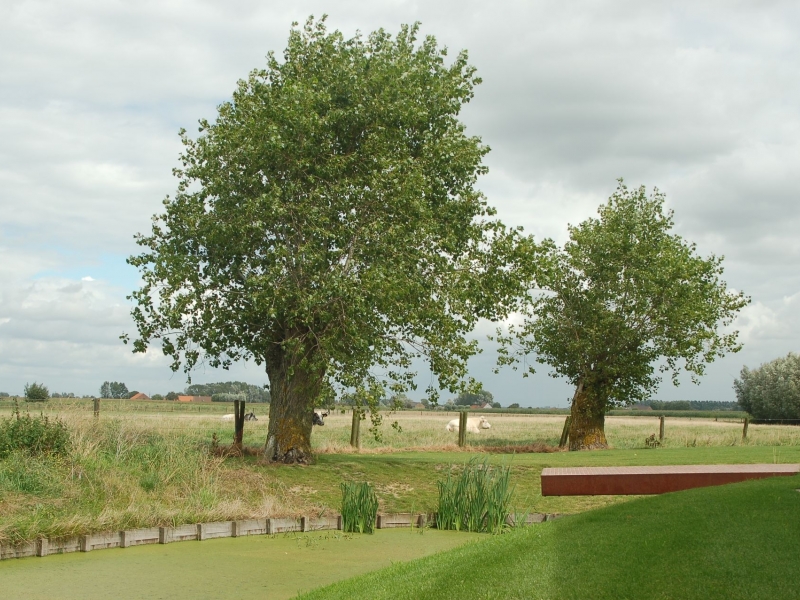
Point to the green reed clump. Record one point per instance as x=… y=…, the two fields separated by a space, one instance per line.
x=359 y=507
x=478 y=499
x=34 y=435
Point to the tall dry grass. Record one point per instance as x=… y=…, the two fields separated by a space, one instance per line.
x=130 y=472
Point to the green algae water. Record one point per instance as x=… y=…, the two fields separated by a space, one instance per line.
x=263 y=567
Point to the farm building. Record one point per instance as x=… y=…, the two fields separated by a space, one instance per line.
x=140 y=396
x=194 y=398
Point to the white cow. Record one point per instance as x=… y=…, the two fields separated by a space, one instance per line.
x=474 y=425
x=251 y=416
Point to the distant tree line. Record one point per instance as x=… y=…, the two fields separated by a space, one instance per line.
x=692 y=405
x=229 y=391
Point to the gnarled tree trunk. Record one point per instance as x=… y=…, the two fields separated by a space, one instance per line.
x=294 y=386
x=586 y=431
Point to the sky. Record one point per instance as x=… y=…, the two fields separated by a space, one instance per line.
x=698 y=99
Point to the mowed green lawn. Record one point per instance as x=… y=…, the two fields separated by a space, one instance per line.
x=738 y=541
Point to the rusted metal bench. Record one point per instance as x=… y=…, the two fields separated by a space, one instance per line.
x=599 y=481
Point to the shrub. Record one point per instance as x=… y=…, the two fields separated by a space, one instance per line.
x=34 y=435
x=359 y=507
x=157 y=397
x=171 y=396
x=479 y=499
x=772 y=391
x=36 y=392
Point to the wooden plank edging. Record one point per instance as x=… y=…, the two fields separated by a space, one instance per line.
x=217 y=529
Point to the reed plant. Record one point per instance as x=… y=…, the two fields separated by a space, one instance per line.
x=359 y=507
x=477 y=499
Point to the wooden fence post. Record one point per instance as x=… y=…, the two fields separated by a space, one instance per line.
x=661 y=429
x=462 y=428
x=744 y=429
x=238 y=418
x=565 y=432
x=355 y=430
x=97 y=407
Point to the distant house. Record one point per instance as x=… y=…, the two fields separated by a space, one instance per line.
x=419 y=406
x=140 y=396
x=194 y=398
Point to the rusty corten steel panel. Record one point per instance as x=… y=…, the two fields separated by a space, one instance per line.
x=600 y=481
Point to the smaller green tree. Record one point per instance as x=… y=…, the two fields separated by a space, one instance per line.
x=36 y=392
x=771 y=391
x=624 y=300
x=172 y=396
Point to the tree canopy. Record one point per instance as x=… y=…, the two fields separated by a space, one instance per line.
x=624 y=301
x=113 y=389
x=327 y=226
x=771 y=391
x=36 y=392
x=470 y=398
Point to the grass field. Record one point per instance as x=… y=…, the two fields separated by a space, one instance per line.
x=135 y=468
x=729 y=542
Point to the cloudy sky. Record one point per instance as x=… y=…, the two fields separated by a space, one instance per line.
x=699 y=99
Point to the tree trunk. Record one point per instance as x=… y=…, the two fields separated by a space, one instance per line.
x=586 y=430
x=294 y=386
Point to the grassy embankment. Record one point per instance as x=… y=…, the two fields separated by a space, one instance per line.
x=730 y=542
x=134 y=469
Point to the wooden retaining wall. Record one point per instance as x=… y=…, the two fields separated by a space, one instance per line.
x=220 y=529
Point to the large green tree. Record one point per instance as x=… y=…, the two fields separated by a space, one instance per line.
x=622 y=302
x=327 y=226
